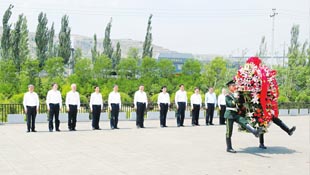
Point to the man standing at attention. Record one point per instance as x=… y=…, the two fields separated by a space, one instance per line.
x=96 y=105
x=222 y=105
x=54 y=104
x=163 y=102
x=115 y=104
x=210 y=102
x=31 y=107
x=181 y=103
x=195 y=106
x=72 y=104
x=140 y=103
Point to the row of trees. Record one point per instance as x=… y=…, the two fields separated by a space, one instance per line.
x=52 y=60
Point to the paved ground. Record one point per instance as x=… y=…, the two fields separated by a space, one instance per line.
x=172 y=150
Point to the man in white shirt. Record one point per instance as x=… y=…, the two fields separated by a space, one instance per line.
x=96 y=105
x=31 y=107
x=196 y=101
x=54 y=104
x=181 y=103
x=72 y=104
x=163 y=102
x=115 y=104
x=222 y=105
x=140 y=103
x=210 y=102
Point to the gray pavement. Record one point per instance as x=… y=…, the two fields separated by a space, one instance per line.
x=153 y=150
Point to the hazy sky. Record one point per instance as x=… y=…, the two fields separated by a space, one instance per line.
x=195 y=26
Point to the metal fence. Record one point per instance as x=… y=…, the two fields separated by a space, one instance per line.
x=6 y=109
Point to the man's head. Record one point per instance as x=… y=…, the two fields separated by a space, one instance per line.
x=231 y=86
x=141 y=87
x=115 y=88
x=196 y=90
x=31 y=88
x=97 y=89
x=211 y=90
x=164 y=89
x=73 y=87
x=55 y=86
x=181 y=87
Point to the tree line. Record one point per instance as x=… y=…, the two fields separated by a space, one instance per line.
x=54 y=60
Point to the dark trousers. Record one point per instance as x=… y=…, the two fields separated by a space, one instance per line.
x=210 y=112
x=31 y=117
x=140 y=114
x=72 y=117
x=230 y=123
x=181 y=113
x=222 y=112
x=163 y=113
x=54 y=111
x=195 y=114
x=114 y=115
x=96 y=116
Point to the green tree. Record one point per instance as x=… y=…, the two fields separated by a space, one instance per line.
x=107 y=43
x=147 y=45
x=102 y=68
x=149 y=68
x=54 y=68
x=133 y=52
x=19 y=42
x=191 y=67
x=216 y=73
x=8 y=78
x=51 y=45
x=166 y=68
x=29 y=73
x=116 y=56
x=6 y=34
x=64 y=48
x=82 y=75
x=128 y=68
x=41 y=38
x=94 y=52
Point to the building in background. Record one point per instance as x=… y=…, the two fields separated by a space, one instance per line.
x=178 y=59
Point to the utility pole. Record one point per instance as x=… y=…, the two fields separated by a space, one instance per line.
x=273 y=15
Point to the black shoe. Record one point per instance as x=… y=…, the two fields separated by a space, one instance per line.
x=112 y=128
x=207 y=124
x=179 y=125
x=211 y=124
x=28 y=131
x=262 y=146
x=33 y=130
x=58 y=130
x=142 y=127
x=291 y=131
x=116 y=128
x=230 y=150
x=166 y=126
x=73 y=129
x=197 y=125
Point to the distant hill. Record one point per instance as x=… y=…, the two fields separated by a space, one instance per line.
x=86 y=43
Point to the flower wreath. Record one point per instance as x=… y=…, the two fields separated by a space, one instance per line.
x=258 y=85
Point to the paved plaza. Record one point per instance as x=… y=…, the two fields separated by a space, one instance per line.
x=153 y=150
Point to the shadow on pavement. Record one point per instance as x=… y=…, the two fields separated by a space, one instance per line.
x=270 y=150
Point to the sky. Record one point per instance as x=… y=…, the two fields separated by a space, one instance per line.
x=222 y=27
